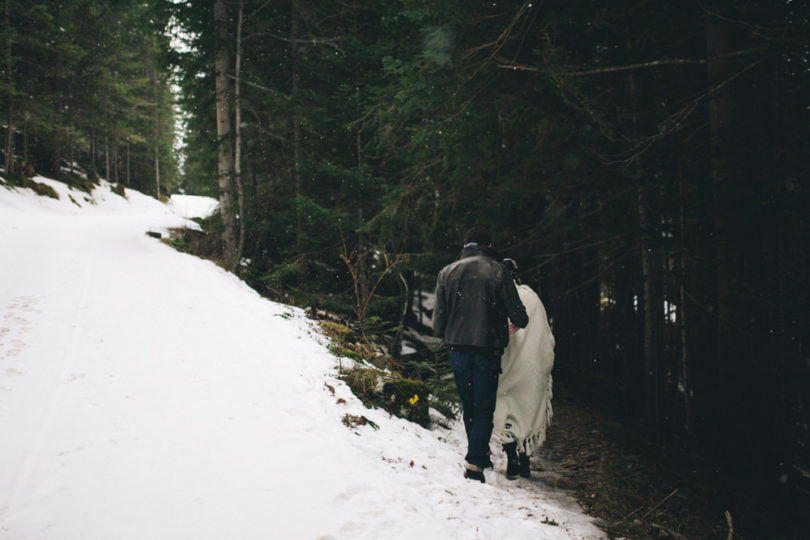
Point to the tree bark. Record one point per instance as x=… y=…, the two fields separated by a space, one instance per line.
x=72 y=144
x=361 y=240
x=93 y=150
x=107 y=156
x=9 y=146
x=652 y=307
x=237 y=162
x=225 y=155
x=743 y=237
x=722 y=36
x=297 y=141
x=652 y=313
x=156 y=137
x=684 y=384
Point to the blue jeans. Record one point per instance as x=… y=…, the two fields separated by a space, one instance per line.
x=477 y=383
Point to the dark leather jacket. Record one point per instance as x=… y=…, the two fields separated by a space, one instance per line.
x=474 y=297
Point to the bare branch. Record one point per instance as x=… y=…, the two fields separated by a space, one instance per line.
x=257 y=10
x=353 y=260
x=504 y=64
x=675 y=120
x=331 y=41
x=498 y=44
x=640 y=65
x=259 y=86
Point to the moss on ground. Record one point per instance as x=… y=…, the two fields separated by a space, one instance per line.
x=41 y=189
x=364 y=383
x=345 y=341
x=407 y=399
x=78 y=182
x=119 y=189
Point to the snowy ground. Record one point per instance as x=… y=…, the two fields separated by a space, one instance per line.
x=147 y=394
x=192 y=206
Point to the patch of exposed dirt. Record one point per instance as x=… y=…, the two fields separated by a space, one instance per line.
x=633 y=488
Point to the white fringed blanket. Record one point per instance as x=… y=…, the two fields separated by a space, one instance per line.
x=523 y=410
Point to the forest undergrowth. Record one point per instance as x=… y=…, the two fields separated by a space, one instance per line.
x=638 y=489
x=631 y=485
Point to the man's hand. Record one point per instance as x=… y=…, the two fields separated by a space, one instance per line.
x=513 y=327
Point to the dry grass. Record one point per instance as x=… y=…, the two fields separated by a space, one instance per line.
x=633 y=487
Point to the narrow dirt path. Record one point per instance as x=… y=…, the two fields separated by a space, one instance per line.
x=632 y=486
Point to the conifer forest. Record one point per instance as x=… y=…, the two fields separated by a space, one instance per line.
x=646 y=163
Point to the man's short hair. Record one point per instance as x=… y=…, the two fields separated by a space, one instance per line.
x=479 y=235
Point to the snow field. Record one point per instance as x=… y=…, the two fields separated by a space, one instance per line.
x=147 y=394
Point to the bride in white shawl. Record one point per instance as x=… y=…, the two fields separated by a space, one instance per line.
x=523 y=409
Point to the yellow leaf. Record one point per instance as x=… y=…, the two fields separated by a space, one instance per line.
x=414 y=399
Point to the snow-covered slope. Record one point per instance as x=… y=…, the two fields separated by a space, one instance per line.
x=147 y=394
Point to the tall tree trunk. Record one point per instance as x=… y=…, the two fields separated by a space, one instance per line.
x=684 y=384
x=156 y=136
x=107 y=156
x=721 y=111
x=722 y=38
x=93 y=149
x=237 y=162
x=743 y=237
x=225 y=156
x=297 y=141
x=129 y=179
x=72 y=144
x=627 y=333
x=652 y=312
x=650 y=304
x=157 y=164
x=25 y=142
x=10 y=105
x=360 y=216
x=361 y=240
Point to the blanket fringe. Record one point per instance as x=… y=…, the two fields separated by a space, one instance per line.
x=538 y=437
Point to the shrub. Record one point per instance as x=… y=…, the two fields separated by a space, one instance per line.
x=119 y=189
x=42 y=189
x=364 y=384
x=345 y=341
x=76 y=181
x=407 y=399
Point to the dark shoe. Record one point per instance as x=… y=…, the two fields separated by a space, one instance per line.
x=525 y=470
x=473 y=472
x=512 y=464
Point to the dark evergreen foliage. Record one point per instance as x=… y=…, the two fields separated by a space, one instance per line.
x=86 y=85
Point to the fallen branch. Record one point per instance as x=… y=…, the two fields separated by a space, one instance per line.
x=625 y=518
x=730 y=525
x=665 y=499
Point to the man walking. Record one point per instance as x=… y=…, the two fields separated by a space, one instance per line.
x=475 y=301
